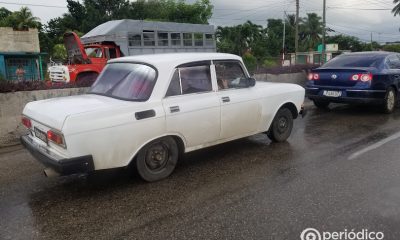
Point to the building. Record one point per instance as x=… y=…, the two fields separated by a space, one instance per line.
x=314 y=57
x=20 y=57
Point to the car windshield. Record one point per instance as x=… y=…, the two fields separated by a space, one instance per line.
x=129 y=81
x=355 y=60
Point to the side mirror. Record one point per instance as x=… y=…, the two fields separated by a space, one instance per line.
x=251 y=82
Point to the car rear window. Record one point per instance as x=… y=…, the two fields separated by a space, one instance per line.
x=129 y=81
x=355 y=60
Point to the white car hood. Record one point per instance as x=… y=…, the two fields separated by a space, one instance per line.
x=53 y=112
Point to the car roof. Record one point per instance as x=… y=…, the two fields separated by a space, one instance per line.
x=371 y=53
x=175 y=59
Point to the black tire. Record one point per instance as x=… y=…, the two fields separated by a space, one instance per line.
x=321 y=103
x=157 y=160
x=281 y=126
x=390 y=101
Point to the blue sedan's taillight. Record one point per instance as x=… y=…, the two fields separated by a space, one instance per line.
x=364 y=77
x=313 y=76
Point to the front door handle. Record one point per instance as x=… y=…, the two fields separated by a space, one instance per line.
x=174 y=109
x=226 y=99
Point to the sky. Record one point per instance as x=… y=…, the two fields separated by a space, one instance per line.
x=357 y=18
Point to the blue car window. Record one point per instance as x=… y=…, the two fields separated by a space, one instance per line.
x=393 y=62
x=355 y=60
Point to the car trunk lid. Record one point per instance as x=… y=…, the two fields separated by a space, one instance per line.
x=53 y=112
x=338 y=77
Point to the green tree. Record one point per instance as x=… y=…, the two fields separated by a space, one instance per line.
x=275 y=37
x=346 y=42
x=392 y=48
x=4 y=13
x=22 y=19
x=290 y=22
x=242 y=38
x=59 y=52
x=311 y=31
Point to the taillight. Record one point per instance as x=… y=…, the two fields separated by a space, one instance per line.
x=313 y=76
x=364 y=77
x=56 y=137
x=26 y=122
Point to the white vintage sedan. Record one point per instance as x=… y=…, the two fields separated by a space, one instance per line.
x=148 y=110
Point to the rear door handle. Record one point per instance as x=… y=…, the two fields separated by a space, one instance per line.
x=174 y=109
x=226 y=99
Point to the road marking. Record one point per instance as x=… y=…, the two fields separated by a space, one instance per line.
x=374 y=146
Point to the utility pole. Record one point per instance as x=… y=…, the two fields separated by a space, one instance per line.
x=323 y=33
x=371 y=42
x=284 y=35
x=296 y=43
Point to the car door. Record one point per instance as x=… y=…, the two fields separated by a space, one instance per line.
x=240 y=107
x=394 y=69
x=192 y=108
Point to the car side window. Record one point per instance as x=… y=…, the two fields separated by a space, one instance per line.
x=190 y=79
x=393 y=62
x=175 y=85
x=230 y=74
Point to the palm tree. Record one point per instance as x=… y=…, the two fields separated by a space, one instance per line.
x=24 y=19
x=396 y=9
x=311 y=30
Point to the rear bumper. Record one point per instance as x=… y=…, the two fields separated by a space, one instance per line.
x=348 y=95
x=64 y=166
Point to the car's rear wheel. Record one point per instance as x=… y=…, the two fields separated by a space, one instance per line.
x=281 y=126
x=157 y=160
x=390 y=101
x=321 y=103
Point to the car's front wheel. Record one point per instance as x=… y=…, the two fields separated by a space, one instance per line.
x=390 y=101
x=157 y=160
x=321 y=103
x=281 y=126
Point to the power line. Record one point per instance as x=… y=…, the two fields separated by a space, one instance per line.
x=33 y=5
x=362 y=9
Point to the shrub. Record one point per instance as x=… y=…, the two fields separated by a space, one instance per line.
x=250 y=61
x=290 y=69
x=269 y=62
x=15 y=86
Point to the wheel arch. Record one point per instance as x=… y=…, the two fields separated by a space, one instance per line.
x=180 y=141
x=396 y=89
x=86 y=72
x=291 y=106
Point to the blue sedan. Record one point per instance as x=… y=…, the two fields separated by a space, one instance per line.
x=362 y=77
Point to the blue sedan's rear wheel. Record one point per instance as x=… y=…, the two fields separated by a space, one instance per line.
x=390 y=101
x=281 y=126
x=157 y=160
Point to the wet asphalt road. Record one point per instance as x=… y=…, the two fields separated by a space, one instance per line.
x=246 y=189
